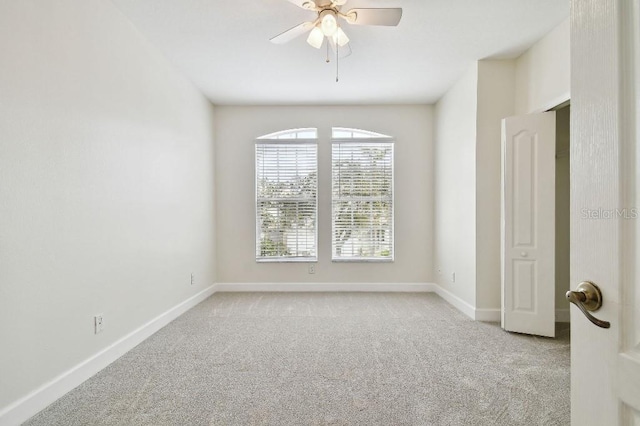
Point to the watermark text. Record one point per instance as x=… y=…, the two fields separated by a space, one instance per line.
x=608 y=214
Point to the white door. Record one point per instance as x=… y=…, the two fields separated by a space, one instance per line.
x=605 y=166
x=528 y=223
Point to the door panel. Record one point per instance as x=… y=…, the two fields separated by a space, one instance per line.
x=524 y=177
x=528 y=227
x=605 y=236
x=524 y=278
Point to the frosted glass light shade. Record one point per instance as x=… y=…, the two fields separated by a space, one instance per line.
x=329 y=24
x=316 y=37
x=340 y=38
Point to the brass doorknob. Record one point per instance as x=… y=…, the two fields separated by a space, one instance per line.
x=588 y=297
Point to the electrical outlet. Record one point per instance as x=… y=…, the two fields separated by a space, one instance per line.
x=193 y=278
x=98 y=323
x=312 y=268
x=453 y=277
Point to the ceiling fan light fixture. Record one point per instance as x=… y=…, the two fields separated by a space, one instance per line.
x=316 y=37
x=340 y=38
x=329 y=24
x=326 y=25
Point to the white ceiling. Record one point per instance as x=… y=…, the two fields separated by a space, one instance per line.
x=224 y=48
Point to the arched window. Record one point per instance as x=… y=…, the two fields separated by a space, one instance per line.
x=362 y=195
x=345 y=133
x=306 y=133
x=286 y=196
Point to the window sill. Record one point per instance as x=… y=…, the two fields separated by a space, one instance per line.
x=289 y=260
x=363 y=260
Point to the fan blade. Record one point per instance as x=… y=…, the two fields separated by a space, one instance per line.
x=292 y=33
x=305 y=4
x=389 y=17
x=338 y=2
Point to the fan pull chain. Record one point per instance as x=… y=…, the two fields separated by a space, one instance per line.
x=337 y=61
x=328 y=60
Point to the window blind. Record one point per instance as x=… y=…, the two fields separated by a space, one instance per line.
x=362 y=201
x=286 y=201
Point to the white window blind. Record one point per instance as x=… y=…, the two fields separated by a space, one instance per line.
x=362 y=201
x=286 y=201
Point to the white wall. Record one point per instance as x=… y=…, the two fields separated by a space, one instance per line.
x=496 y=98
x=543 y=73
x=236 y=130
x=543 y=82
x=468 y=155
x=106 y=182
x=455 y=188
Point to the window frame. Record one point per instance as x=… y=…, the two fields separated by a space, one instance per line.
x=265 y=140
x=362 y=135
x=382 y=139
x=282 y=135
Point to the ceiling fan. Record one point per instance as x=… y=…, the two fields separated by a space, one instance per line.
x=327 y=23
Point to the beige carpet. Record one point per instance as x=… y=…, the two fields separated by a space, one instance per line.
x=327 y=359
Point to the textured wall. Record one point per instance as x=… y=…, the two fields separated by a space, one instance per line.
x=543 y=73
x=496 y=98
x=106 y=182
x=455 y=183
x=236 y=130
x=468 y=158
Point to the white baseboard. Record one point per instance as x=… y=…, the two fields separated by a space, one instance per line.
x=562 y=315
x=461 y=305
x=28 y=406
x=488 y=315
x=457 y=302
x=40 y=398
x=321 y=287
